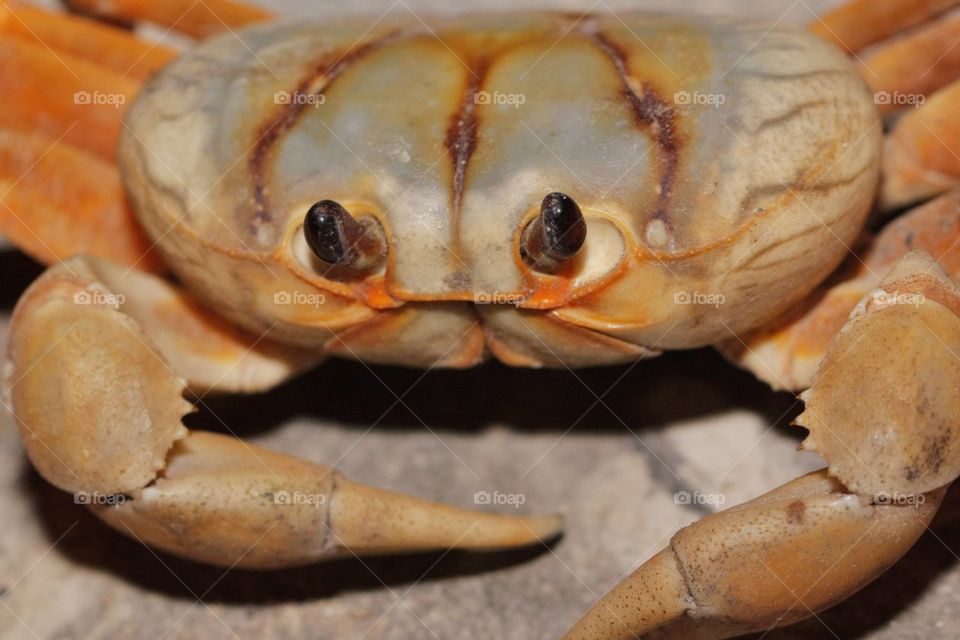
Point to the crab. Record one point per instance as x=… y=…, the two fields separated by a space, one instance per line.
x=222 y=220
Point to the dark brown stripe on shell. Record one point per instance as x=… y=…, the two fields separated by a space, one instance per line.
x=653 y=113
x=461 y=139
x=789 y=77
x=753 y=197
x=323 y=73
x=794 y=112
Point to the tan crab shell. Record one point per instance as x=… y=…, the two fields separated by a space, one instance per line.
x=721 y=177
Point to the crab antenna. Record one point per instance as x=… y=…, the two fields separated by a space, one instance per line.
x=556 y=235
x=339 y=239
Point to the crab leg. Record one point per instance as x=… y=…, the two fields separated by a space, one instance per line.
x=57 y=201
x=198 y=19
x=860 y=23
x=67 y=82
x=89 y=40
x=66 y=97
x=101 y=356
x=816 y=540
x=921 y=157
x=902 y=72
x=912 y=74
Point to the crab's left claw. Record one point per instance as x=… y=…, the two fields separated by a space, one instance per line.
x=100 y=356
x=883 y=411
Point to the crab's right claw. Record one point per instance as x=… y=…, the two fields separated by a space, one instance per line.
x=100 y=358
x=883 y=411
x=897 y=433
x=237 y=504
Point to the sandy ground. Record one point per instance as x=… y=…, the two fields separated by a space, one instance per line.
x=609 y=447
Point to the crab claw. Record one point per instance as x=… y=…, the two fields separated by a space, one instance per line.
x=98 y=399
x=898 y=433
x=236 y=504
x=774 y=560
x=883 y=412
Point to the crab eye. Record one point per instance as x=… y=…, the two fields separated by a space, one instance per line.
x=338 y=239
x=324 y=229
x=556 y=235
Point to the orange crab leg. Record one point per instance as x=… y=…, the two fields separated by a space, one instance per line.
x=85 y=39
x=66 y=97
x=198 y=19
x=922 y=154
x=57 y=200
x=914 y=66
x=857 y=24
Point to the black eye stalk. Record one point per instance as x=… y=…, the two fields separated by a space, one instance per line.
x=556 y=235
x=338 y=239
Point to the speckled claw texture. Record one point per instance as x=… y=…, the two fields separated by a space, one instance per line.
x=779 y=558
x=235 y=504
x=99 y=359
x=883 y=411
x=97 y=408
x=895 y=432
